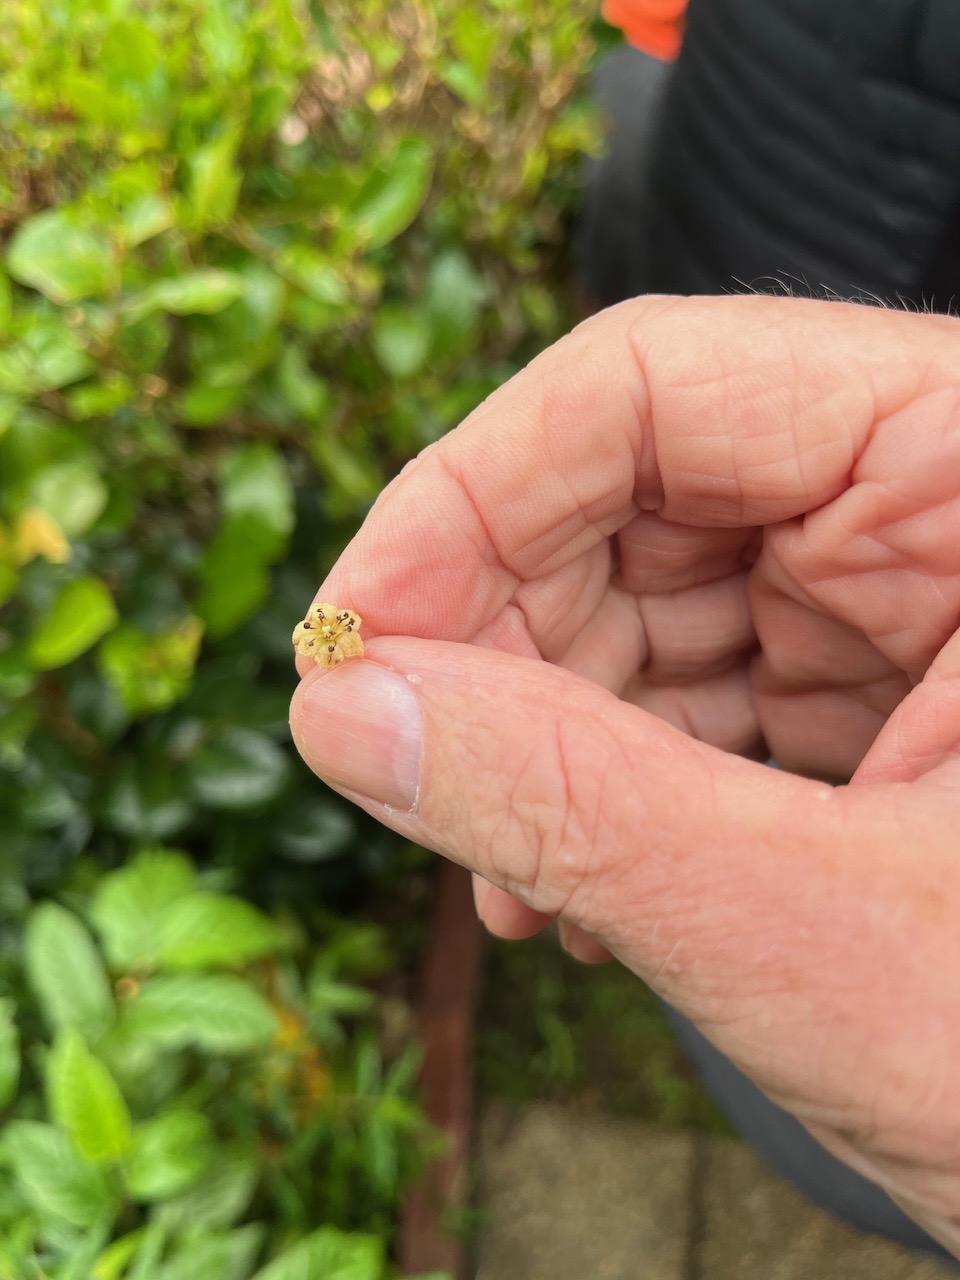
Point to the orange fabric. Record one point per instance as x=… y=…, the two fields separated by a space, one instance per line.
x=655 y=26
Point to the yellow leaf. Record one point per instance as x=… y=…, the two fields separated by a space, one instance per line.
x=38 y=534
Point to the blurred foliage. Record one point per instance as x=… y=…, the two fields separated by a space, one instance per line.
x=199 y=1087
x=254 y=255
x=592 y=1036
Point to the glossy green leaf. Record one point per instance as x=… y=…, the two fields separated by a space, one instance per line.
x=84 y=1252
x=66 y=972
x=401 y=340
x=195 y=293
x=86 y=1102
x=145 y=218
x=206 y=929
x=82 y=613
x=454 y=299
x=221 y=1195
x=114 y=1260
x=204 y=406
x=314 y=829
x=151 y=671
x=239 y=770
x=233 y=580
x=255 y=491
x=316 y=274
x=305 y=393
x=72 y=492
x=214 y=181
x=130 y=905
x=54 y=1178
x=223 y=1257
x=145 y=802
x=50 y=252
x=48 y=356
x=464 y=81
x=352 y=479
x=329 y=1254
x=169 y=1154
x=9 y=1053
x=392 y=196
x=211 y=1012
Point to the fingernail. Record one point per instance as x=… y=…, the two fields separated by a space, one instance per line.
x=359 y=727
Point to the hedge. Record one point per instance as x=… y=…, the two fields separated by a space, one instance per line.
x=255 y=255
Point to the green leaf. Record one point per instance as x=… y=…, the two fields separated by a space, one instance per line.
x=53 y=1177
x=6 y=301
x=464 y=81
x=169 y=1154
x=339 y=998
x=150 y=1250
x=201 y=292
x=86 y=1102
x=82 y=613
x=204 y=406
x=216 y=1013
x=255 y=488
x=392 y=196
x=49 y=356
x=329 y=1254
x=204 y=929
x=239 y=770
x=306 y=395
x=145 y=218
x=72 y=492
x=454 y=298
x=313 y=829
x=219 y=1198
x=100 y=399
x=65 y=971
x=352 y=479
x=84 y=1253
x=113 y=1262
x=214 y=181
x=225 y=1257
x=378 y=1143
x=129 y=905
x=316 y=274
x=233 y=580
x=9 y=1053
x=146 y=802
x=151 y=671
x=51 y=253
x=400 y=339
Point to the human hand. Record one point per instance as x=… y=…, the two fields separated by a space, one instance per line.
x=741 y=515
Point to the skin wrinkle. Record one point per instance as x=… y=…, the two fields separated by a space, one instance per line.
x=558 y=605
x=648 y=491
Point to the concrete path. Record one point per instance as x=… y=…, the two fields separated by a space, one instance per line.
x=569 y=1196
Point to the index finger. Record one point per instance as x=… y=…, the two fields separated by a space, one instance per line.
x=714 y=413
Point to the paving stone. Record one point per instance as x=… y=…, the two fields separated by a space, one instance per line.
x=755 y=1227
x=571 y=1196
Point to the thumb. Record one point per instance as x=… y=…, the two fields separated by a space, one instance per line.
x=760 y=904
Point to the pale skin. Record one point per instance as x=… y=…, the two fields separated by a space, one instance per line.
x=695 y=533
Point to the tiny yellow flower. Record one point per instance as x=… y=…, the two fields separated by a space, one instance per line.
x=329 y=635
